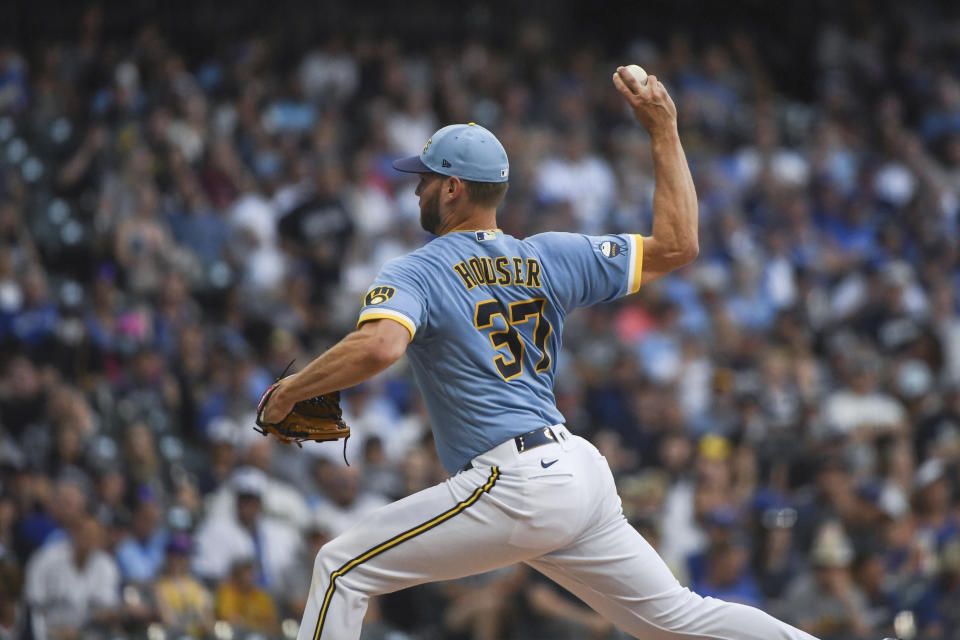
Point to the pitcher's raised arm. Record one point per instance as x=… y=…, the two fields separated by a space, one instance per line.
x=673 y=243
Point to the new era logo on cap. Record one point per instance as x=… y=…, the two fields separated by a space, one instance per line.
x=446 y=164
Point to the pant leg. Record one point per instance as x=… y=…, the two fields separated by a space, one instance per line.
x=454 y=529
x=615 y=571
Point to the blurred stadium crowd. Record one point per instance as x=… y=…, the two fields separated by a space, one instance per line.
x=783 y=416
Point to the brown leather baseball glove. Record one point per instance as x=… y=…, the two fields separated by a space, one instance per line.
x=319 y=418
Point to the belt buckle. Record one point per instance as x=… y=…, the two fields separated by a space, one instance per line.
x=547 y=434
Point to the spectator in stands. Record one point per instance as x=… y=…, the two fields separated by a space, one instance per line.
x=946 y=615
x=777 y=560
x=342 y=500
x=936 y=519
x=578 y=177
x=868 y=572
x=140 y=555
x=861 y=409
x=222 y=434
x=22 y=395
x=827 y=602
x=72 y=585
x=12 y=609
x=242 y=603
x=35 y=320
x=223 y=538
x=183 y=603
x=727 y=575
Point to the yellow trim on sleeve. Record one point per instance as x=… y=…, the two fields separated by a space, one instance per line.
x=637 y=262
x=379 y=315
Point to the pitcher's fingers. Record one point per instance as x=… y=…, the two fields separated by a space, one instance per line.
x=658 y=92
x=645 y=91
x=624 y=89
x=653 y=83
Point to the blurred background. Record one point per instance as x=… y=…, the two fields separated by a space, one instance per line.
x=192 y=194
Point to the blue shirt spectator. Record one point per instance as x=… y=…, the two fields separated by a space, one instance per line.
x=141 y=555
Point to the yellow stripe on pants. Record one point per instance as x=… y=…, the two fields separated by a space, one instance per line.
x=393 y=542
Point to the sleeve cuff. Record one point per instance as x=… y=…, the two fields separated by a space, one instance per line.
x=636 y=262
x=390 y=314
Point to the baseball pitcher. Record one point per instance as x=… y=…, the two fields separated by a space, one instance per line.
x=480 y=316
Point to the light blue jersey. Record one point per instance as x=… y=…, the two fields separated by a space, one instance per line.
x=485 y=313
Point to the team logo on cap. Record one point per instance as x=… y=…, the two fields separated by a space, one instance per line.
x=379 y=295
x=427 y=146
x=609 y=249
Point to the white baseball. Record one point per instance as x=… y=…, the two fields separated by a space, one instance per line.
x=637 y=72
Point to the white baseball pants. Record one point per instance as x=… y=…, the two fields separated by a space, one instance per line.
x=554 y=507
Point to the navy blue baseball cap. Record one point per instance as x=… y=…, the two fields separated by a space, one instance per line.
x=466 y=151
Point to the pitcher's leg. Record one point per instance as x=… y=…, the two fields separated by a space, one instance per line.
x=448 y=531
x=615 y=571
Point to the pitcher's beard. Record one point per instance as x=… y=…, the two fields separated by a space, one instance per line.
x=430 y=214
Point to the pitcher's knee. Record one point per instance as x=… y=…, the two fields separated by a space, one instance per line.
x=686 y=613
x=329 y=566
x=682 y=611
x=332 y=567
x=324 y=562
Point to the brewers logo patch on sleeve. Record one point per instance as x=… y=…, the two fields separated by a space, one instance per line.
x=609 y=249
x=379 y=295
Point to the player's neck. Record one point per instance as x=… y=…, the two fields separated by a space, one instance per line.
x=475 y=220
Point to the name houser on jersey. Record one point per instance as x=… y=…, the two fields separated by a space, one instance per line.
x=502 y=270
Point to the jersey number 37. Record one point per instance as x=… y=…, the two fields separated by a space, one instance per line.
x=518 y=313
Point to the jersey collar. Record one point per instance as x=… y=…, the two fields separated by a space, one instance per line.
x=474 y=231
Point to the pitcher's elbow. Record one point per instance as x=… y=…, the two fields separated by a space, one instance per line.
x=382 y=352
x=683 y=254
x=393 y=351
x=690 y=252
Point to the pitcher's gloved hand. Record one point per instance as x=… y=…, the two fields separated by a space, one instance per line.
x=319 y=418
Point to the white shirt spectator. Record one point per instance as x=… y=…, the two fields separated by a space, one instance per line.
x=779 y=283
x=186 y=139
x=846 y=410
x=372 y=206
x=949 y=330
x=329 y=76
x=410 y=129
x=587 y=183
x=263 y=263
x=63 y=595
x=281 y=501
x=785 y=166
x=221 y=541
x=694 y=389
x=337 y=519
x=682 y=535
